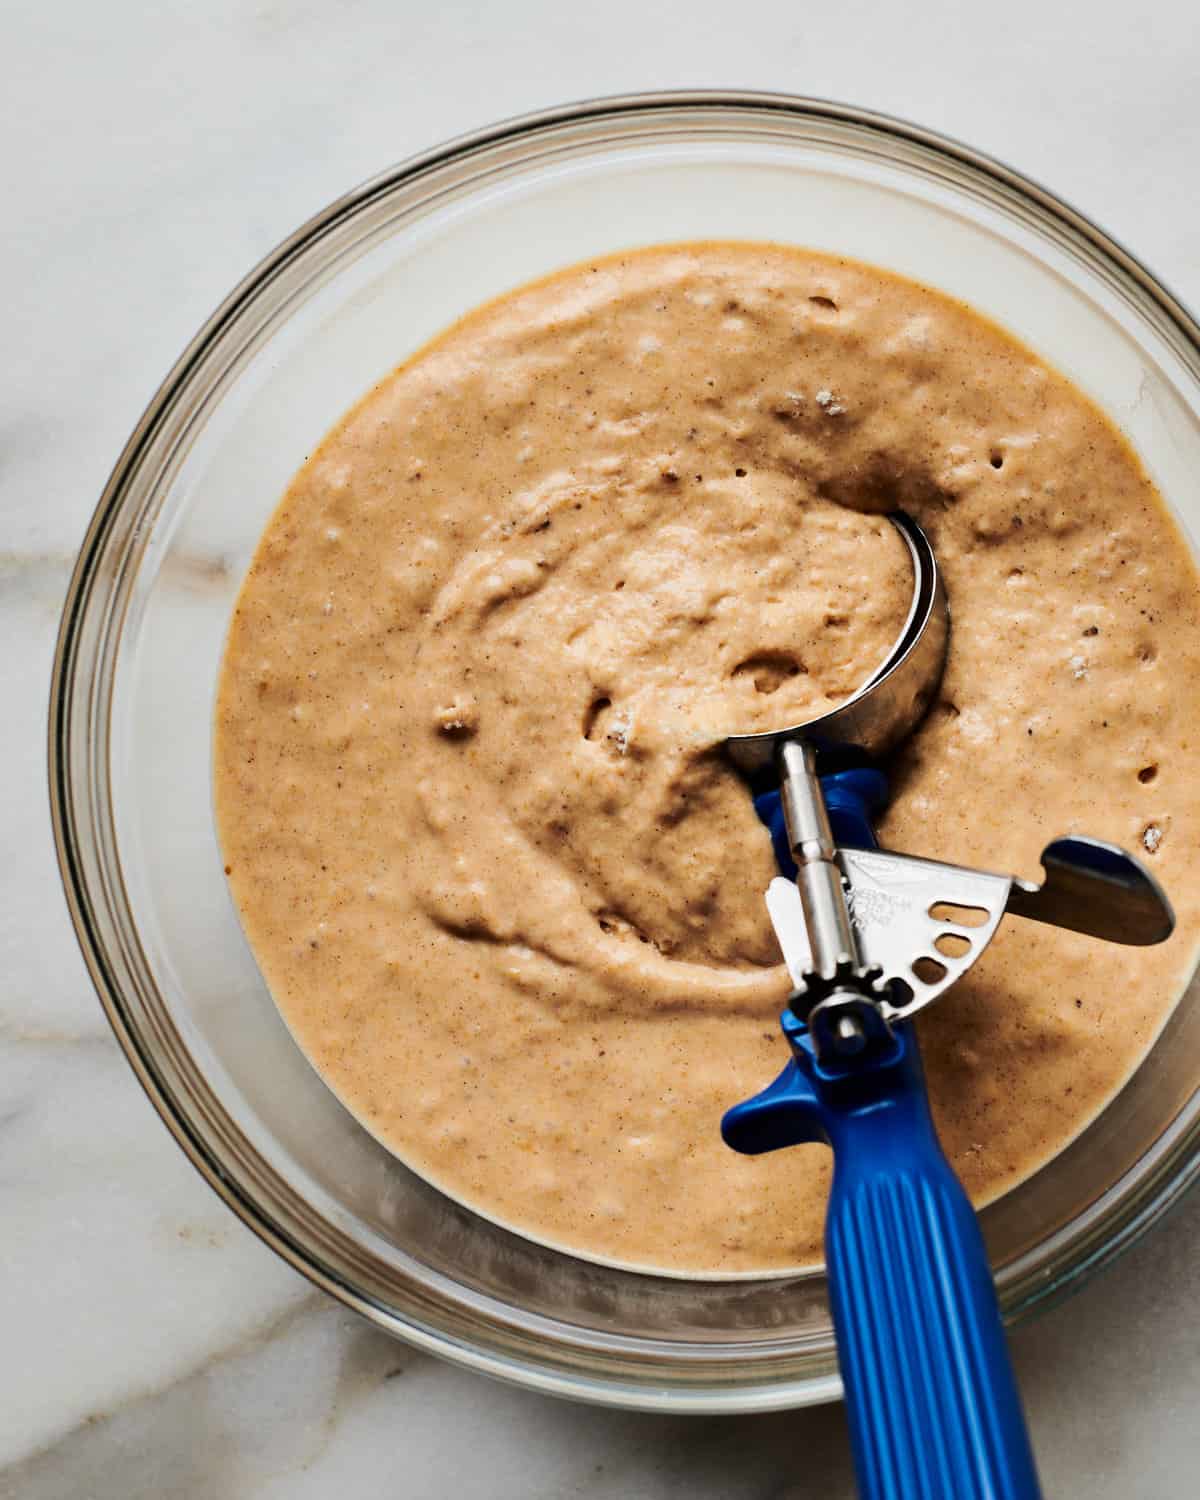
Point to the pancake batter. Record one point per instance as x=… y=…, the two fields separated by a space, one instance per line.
x=500 y=879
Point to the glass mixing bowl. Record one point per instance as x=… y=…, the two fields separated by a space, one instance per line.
x=331 y=311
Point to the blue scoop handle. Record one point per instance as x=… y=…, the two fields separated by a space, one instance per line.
x=932 y=1402
x=933 y=1405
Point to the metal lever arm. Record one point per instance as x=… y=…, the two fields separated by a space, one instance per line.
x=1095 y=888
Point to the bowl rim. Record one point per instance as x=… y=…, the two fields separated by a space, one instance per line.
x=1176 y=1153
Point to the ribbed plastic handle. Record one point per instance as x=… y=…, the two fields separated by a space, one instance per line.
x=932 y=1401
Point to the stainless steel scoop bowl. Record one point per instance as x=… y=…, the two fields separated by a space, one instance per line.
x=892 y=701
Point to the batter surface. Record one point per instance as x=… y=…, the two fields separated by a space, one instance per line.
x=500 y=879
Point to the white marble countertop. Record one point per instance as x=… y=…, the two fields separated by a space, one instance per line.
x=151 y=1346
